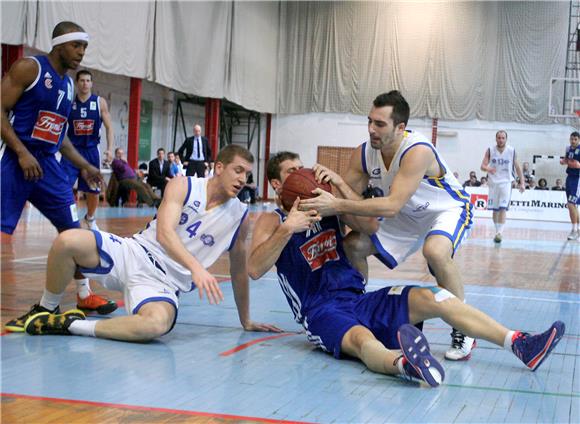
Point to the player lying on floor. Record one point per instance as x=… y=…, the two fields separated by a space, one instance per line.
x=327 y=294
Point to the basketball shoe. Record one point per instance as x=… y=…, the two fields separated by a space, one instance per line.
x=91 y=223
x=44 y=323
x=574 y=235
x=533 y=349
x=418 y=363
x=16 y=325
x=94 y=302
x=461 y=346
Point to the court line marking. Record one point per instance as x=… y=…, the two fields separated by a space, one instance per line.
x=253 y=342
x=149 y=408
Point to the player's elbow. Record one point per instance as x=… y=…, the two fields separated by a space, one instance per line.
x=254 y=270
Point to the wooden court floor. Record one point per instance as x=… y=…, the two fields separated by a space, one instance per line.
x=533 y=257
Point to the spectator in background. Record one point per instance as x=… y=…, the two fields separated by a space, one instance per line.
x=456 y=175
x=248 y=193
x=527 y=173
x=128 y=180
x=472 y=181
x=159 y=171
x=180 y=167
x=483 y=182
x=532 y=185
x=558 y=186
x=197 y=153
x=542 y=184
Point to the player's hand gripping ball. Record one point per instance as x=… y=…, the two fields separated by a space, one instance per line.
x=300 y=184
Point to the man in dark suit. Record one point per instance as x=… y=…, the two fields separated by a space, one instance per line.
x=159 y=171
x=196 y=151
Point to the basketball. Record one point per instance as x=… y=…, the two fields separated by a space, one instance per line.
x=300 y=184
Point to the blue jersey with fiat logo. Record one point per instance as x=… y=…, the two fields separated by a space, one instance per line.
x=40 y=116
x=313 y=267
x=84 y=122
x=573 y=154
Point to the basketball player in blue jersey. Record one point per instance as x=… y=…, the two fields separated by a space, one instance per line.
x=198 y=220
x=572 y=161
x=84 y=124
x=327 y=294
x=37 y=95
x=423 y=204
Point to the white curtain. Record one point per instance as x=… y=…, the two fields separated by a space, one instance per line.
x=452 y=60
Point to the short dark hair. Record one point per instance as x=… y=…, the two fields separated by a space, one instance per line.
x=228 y=153
x=117 y=149
x=502 y=131
x=83 y=72
x=65 y=27
x=401 y=110
x=161 y=149
x=273 y=167
x=575 y=134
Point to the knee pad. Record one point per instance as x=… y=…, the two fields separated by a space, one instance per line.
x=441 y=294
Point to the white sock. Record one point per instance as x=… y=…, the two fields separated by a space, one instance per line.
x=507 y=342
x=50 y=300
x=81 y=327
x=83 y=287
x=496 y=227
x=500 y=228
x=574 y=227
x=399 y=365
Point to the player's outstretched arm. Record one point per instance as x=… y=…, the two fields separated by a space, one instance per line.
x=270 y=237
x=413 y=167
x=168 y=217
x=17 y=79
x=240 y=283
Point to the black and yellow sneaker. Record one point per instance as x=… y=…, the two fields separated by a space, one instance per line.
x=44 y=323
x=17 y=324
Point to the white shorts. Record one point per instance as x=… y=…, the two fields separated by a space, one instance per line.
x=499 y=196
x=401 y=236
x=127 y=267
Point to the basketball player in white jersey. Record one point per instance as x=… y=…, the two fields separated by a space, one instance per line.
x=422 y=203
x=197 y=221
x=500 y=162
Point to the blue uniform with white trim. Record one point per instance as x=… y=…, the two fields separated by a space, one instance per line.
x=439 y=206
x=327 y=294
x=39 y=120
x=573 y=178
x=84 y=124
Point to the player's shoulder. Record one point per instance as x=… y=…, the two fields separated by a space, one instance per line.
x=25 y=70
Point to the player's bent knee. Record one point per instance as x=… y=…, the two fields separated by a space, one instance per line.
x=67 y=240
x=157 y=319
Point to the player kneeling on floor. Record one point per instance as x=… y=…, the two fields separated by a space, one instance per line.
x=327 y=294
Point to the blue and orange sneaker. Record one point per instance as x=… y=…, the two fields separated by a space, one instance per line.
x=418 y=363
x=533 y=349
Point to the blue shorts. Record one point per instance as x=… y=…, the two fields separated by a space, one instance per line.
x=573 y=189
x=91 y=154
x=52 y=195
x=382 y=312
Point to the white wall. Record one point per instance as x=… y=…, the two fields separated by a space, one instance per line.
x=463 y=152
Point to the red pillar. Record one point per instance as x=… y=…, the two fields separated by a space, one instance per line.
x=212 y=124
x=134 y=123
x=10 y=54
x=434 y=131
x=267 y=154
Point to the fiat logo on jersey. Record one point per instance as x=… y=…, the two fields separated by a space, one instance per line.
x=48 y=126
x=83 y=126
x=320 y=249
x=479 y=201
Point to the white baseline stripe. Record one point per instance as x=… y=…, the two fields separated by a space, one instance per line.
x=32 y=259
